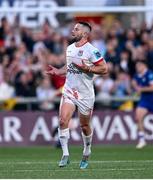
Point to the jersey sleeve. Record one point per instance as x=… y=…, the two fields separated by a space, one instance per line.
x=96 y=56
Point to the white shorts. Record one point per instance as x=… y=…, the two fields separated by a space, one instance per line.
x=85 y=106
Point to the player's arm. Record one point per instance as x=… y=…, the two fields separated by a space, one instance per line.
x=136 y=87
x=134 y=84
x=147 y=88
x=54 y=71
x=100 y=68
x=140 y=89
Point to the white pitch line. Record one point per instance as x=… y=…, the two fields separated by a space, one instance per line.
x=61 y=170
x=75 y=162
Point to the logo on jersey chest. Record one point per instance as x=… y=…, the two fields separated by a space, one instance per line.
x=97 y=54
x=80 y=53
x=144 y=79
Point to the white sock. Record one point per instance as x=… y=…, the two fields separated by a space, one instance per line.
x=64 y=135
x=141 y=136
x=87 y=144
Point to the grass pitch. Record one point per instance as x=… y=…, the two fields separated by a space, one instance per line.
x=105 y=162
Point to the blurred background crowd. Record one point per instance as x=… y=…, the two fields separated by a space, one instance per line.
x=26 y=53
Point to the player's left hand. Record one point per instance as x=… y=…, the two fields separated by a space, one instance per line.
x=83 y=67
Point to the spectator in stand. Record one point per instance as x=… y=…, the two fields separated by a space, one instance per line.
x=131 y=36
x=111 y=51
x=126 y=62
x=3 y=28
x=11 y=47
x=150 y=54
x=25 y=84
x=122 y=86
x=46 y=93
x=7 y=91
x=31 y=50
x=27 y=37
x=59 y=44
x=104 y=86
x=97 y=39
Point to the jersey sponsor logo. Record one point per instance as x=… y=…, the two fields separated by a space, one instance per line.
x=150 y=76
x=97 y=54
x=144 y=79
x=80 y=53
x=73 y=70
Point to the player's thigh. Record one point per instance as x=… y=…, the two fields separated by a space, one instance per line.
x=67 y=109
x=85 y=109
x=140 y=113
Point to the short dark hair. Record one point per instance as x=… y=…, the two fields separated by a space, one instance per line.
x=86 y=24
x=142 y=61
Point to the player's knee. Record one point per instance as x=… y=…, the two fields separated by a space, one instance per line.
x=63 y=123
x=85 y=128
x=139 y=116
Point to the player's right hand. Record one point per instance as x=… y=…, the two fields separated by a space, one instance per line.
x=82 y=67
x=52 y=70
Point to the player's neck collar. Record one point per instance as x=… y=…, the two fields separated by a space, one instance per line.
x=81 y=44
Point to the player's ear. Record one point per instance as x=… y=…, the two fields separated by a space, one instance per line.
x=85 y=34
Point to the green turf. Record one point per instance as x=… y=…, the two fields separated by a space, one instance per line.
x=105 y=162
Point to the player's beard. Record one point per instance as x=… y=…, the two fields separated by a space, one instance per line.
x=76 y=39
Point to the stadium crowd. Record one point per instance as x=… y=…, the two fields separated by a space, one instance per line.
x=25 y=55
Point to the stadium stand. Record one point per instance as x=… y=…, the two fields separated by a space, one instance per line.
x=26 y=53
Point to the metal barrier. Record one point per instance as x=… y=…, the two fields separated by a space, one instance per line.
x=28 y=101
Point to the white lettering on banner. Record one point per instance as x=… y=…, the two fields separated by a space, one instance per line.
x=105 y=127
x=11 y=127
x=54 y=121
x=132 y=126
x=117 y=127
x=40 y=128
x=98 y=129
x=75 y=135
x=149 y=126
x=24 y=17
x=51 y=17
x=9 y=16
x=32 y=19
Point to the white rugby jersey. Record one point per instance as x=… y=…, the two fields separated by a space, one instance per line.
x=79 y=85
